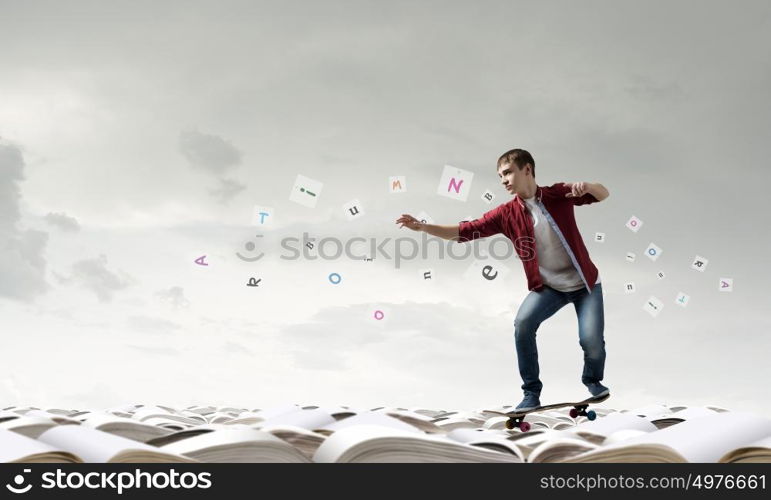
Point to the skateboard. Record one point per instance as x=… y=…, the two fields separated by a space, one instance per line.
x=517 y=418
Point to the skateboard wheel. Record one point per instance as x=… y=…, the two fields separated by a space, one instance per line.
x=591 y=415
x=524 y=426
x=509 y=424
x=574 y=413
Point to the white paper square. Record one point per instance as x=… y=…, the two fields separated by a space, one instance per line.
x=599 y=237
x=653 y=252
x=630 y=257
x=682 y=299
x=306 y=191
x=629 y=288
x=262 y=216
x=660 y=275
x=397 y=184
x=634 y=224
x=488 y=196
x=653 y=306
x=486 y=270
x=699 y=263
x=468 y=218
x=726 y=285
x=424 y=218
x=455 y=183
x=353 y=209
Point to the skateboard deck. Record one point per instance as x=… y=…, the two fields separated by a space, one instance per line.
x=517 y=418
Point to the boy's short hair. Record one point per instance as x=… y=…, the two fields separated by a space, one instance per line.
x=518 y=157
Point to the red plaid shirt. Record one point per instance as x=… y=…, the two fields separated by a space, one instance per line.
x=512 y=220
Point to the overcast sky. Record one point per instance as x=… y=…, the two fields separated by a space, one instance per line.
x=138 y=136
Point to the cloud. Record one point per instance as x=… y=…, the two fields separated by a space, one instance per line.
x=227 y=190
x=22 y=268
x=234 y=348
x=646 y=88
x=151 y=325
x=63 y=221
x=409 y=339
x=210 y=153
x=163 y=351
x=94 y=275
x=213 y=155
x=174 y=296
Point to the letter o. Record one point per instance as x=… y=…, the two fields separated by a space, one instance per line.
x=157 y=484
x=191 y=476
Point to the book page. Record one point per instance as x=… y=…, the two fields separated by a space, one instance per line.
x=94 y=420
x=146 y=411
x=614 y=422
x=90 y=444
x=31 y=427
x=761 y=445
x=649 y=411
x=622 y=435
x=477 y=437
x=331 y=449
x=553 y=451
x=14 y=446
x=377 y=443
x=292 y=431
x=370 y=418
x=706 y=439
x=58 y=418
x=308 y=419
x=224 y=437
x=686 y=414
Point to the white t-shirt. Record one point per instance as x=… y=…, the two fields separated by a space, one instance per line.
x=554 y=264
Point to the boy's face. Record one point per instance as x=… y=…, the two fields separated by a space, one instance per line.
x=512 y=177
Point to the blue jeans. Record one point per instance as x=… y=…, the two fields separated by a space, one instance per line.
x=541 y=305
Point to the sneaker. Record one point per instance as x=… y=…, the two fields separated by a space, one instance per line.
x=530 y=402
x=597 y=389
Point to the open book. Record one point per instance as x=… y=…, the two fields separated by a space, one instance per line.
x=237 y=444
x=125 y=427
x=16 y=448
x=588 y=436
x=484 y=438
x=757 y=452
x=375 y=443
x=704 y=439
x=681 y=415
x=367 y=418
x=30 y=426
x=91 y=445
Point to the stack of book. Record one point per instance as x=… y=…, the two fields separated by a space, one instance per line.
x=303 y=434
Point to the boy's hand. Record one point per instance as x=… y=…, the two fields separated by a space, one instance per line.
x=577 y=189
x=409 y=221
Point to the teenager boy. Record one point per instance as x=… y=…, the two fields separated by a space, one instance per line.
x=541 y=223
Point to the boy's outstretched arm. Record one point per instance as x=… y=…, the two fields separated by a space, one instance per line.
x=444 y=232
x=578 y=189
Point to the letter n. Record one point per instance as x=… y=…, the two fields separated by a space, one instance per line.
x=455 y=184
